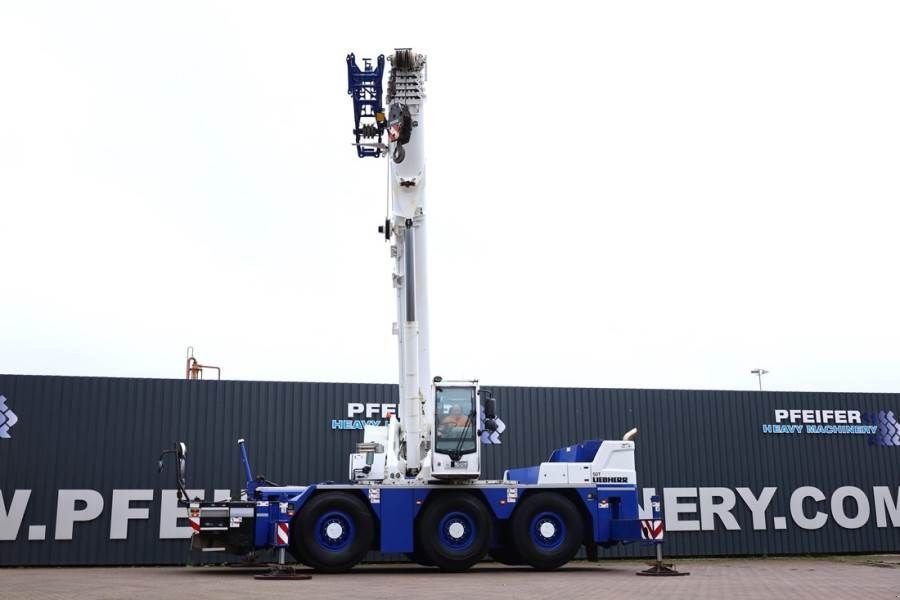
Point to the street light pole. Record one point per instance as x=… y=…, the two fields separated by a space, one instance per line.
x=759 y=373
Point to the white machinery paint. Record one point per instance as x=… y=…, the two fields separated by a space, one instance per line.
x=613 y=464
x=406 y=160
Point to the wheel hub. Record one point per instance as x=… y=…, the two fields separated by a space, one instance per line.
x=547 y=529
x=334 y=531
x=456 y=530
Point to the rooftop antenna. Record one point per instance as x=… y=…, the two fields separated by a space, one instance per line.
x=759 y=373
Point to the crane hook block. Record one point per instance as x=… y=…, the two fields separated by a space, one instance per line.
x=364 y=86
x=400 y=126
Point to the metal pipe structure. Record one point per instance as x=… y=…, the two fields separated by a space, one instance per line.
x=194 y=370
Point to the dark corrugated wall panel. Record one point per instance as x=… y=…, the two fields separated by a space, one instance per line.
x=106 y=433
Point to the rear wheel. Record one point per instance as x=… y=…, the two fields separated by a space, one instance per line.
x=547 y=530
x=417 y=557
x=332 y=532
x=454 y=531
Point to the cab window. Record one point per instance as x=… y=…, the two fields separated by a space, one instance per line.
x=455 y=420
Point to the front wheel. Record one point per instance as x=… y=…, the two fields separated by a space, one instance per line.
x=454 y=531
x=547 y=530
x=332 y=532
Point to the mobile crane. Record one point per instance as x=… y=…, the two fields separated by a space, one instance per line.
x=413 y=485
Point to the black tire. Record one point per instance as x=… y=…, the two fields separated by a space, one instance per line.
x=419 y=558
x=454 y=531
x=547 y=530
x=332 y=532
x=505 y=552
x=507 y=555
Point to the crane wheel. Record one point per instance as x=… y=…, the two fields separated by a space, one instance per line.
x=507 y=555
x=332 y=532
x=505 y=551
x=454 y=531
x=547 y=530
x=418 y=558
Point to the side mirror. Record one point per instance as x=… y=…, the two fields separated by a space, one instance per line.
x=180 y=450
x=492 y=425
x=490 y=408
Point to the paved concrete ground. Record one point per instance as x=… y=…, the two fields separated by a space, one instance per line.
x=869 y=577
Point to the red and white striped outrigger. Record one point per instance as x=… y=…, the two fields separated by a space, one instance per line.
x=194 y=517
x=653 y=532
x=651 y=529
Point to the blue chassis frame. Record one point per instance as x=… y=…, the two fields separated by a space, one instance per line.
x=612 y=509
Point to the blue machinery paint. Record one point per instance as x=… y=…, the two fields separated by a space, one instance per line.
x=365 y=88
x=548 y=530
x=245 y=461
x=525 y=474
x=456 y=530
x=611 y=512
x=335 y=530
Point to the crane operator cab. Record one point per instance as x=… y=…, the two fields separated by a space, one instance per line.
x=463 y=419
x=463 y=412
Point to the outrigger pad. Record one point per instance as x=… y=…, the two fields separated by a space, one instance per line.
x=282 y=573
x=659 y=569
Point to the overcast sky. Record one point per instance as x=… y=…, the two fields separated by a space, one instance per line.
x=628 y=195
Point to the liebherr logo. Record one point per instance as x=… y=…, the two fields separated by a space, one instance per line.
x=7 y=418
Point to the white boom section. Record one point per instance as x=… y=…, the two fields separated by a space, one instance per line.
x=403 y=452
x=402 y=449
x=406 y=159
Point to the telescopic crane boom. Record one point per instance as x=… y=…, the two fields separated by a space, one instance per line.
x=425 y=440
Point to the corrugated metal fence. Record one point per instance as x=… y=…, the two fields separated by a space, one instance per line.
x=104 y=434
